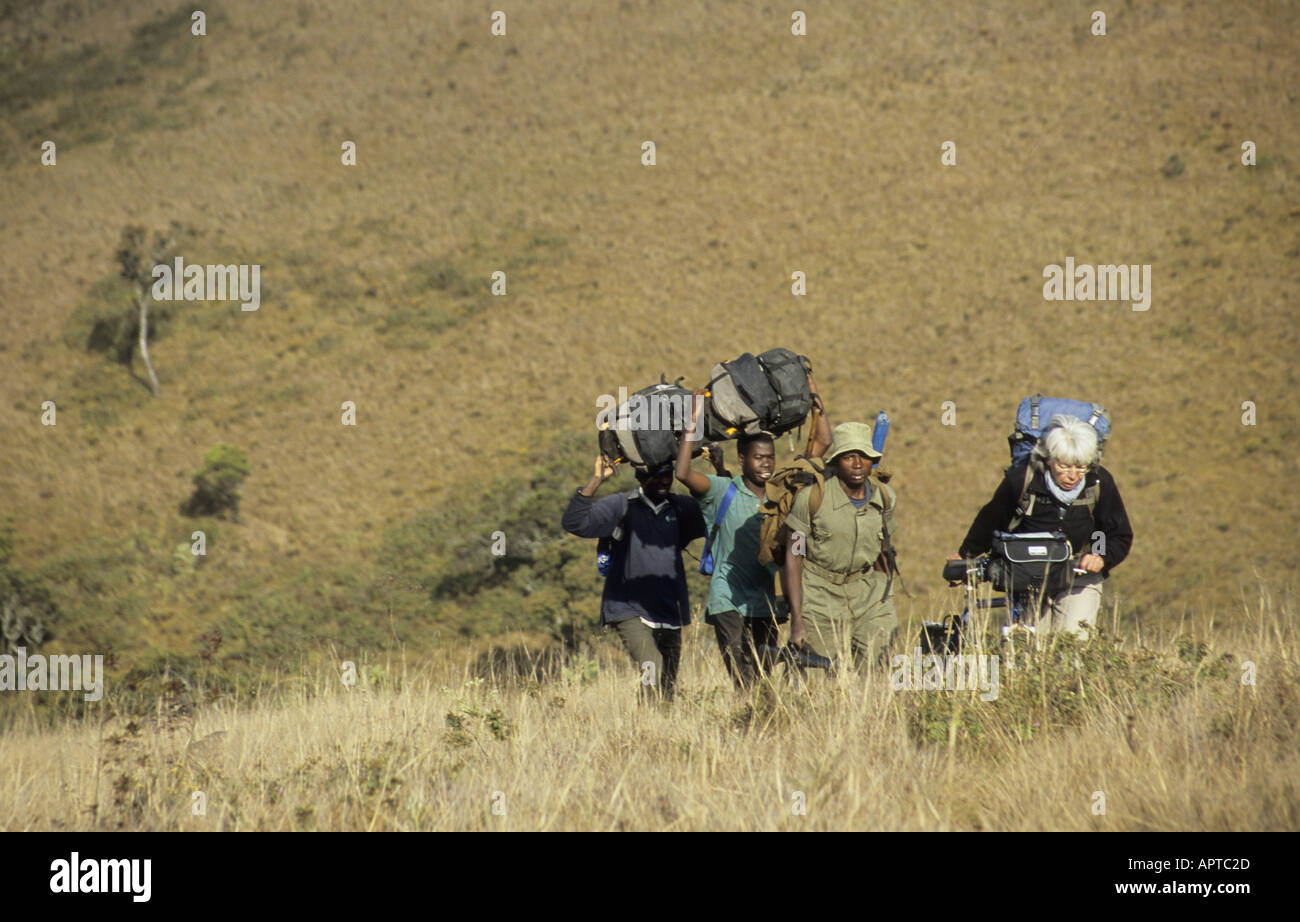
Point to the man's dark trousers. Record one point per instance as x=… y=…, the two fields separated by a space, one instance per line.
x=739 y=639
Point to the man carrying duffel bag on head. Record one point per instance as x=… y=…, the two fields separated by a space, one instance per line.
x=645 y=597
x=742 y=605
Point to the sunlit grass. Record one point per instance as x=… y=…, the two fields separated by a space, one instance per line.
x=1106 y=736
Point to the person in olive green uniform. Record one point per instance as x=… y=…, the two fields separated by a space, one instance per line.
x=839 y=587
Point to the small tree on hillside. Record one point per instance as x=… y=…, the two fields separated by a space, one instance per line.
x=137 y=259
x=218 y=485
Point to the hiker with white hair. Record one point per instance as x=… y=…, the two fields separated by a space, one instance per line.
x=1062 y=487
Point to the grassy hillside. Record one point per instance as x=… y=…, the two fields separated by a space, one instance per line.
x=522 y=153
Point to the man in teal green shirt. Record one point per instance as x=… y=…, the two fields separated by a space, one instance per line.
x=742 y=604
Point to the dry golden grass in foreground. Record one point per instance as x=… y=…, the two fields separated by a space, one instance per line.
x=1166 y=732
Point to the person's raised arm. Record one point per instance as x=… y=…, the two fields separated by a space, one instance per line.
x=696 y=482
x=586 y=519
x=797 y=526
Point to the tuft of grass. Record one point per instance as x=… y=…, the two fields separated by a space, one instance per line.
x=1174 y=166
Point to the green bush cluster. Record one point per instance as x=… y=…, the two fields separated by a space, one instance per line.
x=218 y=484
x=442 y=560
x=1062 y=685
x=472 y=717
x=27 y=608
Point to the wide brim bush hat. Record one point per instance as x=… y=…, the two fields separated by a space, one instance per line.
x=851 y=437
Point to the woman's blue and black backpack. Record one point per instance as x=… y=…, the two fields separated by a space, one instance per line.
x=1034 y=413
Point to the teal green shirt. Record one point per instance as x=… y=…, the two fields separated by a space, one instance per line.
x=739 y=583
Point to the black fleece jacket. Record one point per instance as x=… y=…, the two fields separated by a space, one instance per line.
x=1049 y=514
x=646 y=577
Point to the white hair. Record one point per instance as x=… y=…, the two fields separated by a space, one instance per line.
x=1069 y=440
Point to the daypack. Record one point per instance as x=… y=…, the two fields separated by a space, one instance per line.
x=752 y=394
x=778 y=499
x=779 y=495
x=644 y=430
x=1034 y=414
x=605 y=546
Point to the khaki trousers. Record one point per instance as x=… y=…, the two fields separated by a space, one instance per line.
x=1073 y=612
x=856 y=618
x=656 y=653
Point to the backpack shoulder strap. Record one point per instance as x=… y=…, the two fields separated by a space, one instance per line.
x=817 y=492
x=816 y=489
x=620 y=530
x=725 y=504
x=886 y=495
x=1025 y=502
x=605 y=545
x=1089 y=497
x=886 y=504
x=887 y=560
x=717 y=520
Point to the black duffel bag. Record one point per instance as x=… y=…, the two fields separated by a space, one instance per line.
x=644 y=430
x=767 y=392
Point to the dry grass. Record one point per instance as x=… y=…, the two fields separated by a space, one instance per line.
x=437 y=745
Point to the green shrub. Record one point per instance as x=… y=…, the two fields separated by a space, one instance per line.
x=27 y=609
x=218 y=485
x=1066 y=684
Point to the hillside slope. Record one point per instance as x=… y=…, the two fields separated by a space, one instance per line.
x=522 y=153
